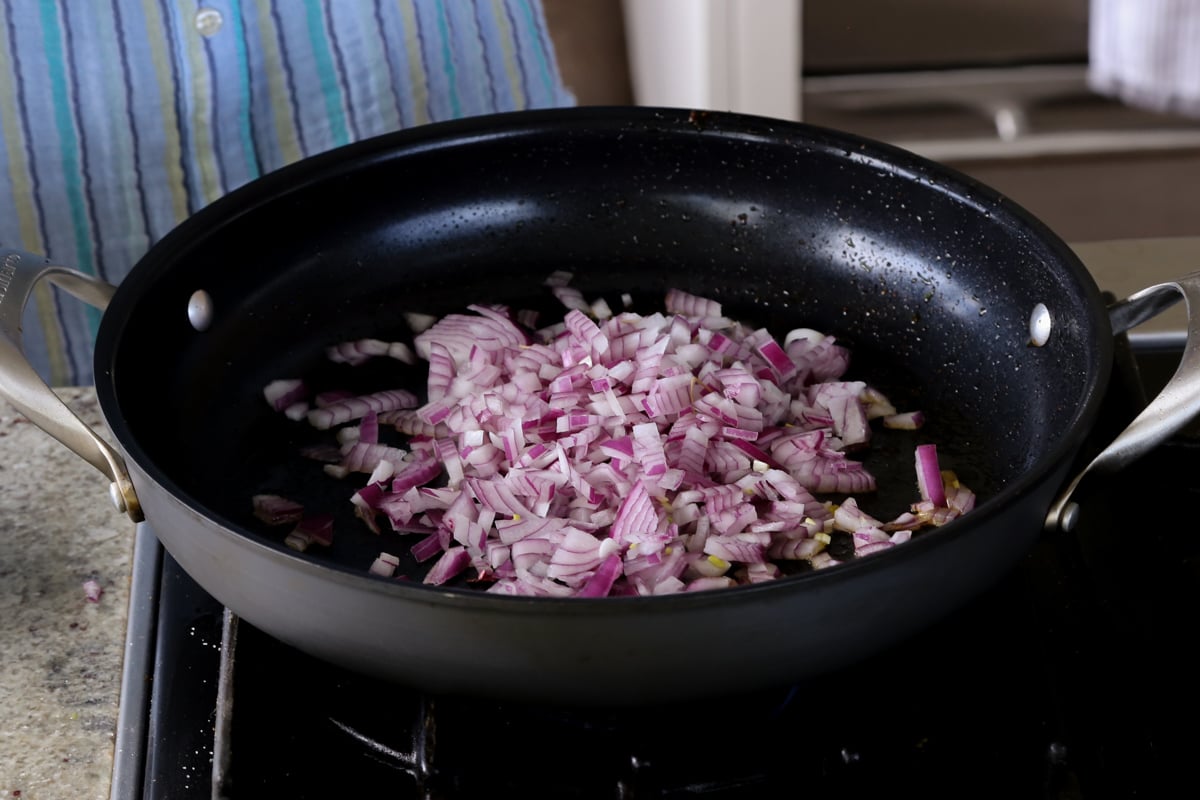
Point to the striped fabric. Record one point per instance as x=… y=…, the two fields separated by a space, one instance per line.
x=122 y=117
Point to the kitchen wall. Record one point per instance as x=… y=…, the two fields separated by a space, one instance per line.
x=857 y=35
x=1088 y=194
x=589 y=37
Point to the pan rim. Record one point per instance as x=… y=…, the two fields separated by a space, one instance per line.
x=587 y=120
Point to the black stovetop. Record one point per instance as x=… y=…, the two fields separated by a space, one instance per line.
x=1072 y=678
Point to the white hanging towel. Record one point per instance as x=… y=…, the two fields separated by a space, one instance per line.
x=1146 y=53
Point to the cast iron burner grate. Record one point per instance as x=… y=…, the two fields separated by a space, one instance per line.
x=1072 y=678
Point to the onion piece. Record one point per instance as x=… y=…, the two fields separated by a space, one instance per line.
x=619 y=454
x=275 y=509
x=317 y=529
x=906 y=421
x=385 y=565
x=92 y=590
x=601 y=581
x=356 y=352
x=356 y=407
x=283 y=393
x=929 y=475
x=451 y=563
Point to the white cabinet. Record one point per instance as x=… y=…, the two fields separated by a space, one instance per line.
x=719 y=55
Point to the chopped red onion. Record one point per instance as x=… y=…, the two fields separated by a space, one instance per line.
x=356 y=352
x=92 y=590
x=689 y=305
x=285 y=392
x=384 y=565
x=356 y=407
x=907 y=421
x=601 y=581
x=707 y=584
x=427 y=548
x=316 y=529
x=451 y=563
x=274 y=509
x=929 y=475
x=366 y=457
x=614 y=453
x=296 y=411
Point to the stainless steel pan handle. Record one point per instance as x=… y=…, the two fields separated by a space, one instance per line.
x=21 y=385
x=1175 y=406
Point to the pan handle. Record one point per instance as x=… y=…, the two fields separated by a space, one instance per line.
x=21 y=385
x=1175 y=406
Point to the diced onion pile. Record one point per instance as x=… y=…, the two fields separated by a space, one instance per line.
x=610 y=453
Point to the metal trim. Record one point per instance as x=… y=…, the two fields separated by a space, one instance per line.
x=137 y=672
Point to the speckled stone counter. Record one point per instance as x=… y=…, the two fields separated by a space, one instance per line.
x=60 y=654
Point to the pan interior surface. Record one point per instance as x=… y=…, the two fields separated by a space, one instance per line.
x=926 y=276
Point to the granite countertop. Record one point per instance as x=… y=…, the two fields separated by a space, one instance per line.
x=1123 y=266
x=60 y=655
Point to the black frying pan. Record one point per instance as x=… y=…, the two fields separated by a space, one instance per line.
x=929 y=277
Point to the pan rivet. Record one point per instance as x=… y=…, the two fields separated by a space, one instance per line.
x=200 y=310
x=1039 y=325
